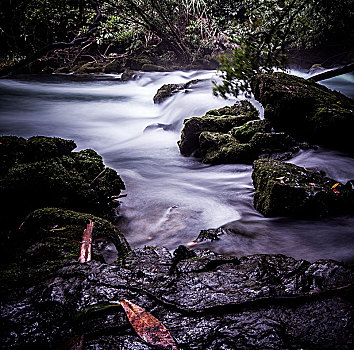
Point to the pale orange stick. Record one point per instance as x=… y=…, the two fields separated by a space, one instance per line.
x=85 y=252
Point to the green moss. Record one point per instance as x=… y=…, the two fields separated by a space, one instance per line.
x=152 y=68
x=245 y=132
x=44 y=172
x=306 y=109
x=166 y=91
x=17 y=150
x=288 y=190
x=240 y=107
x=54 y=222
x=214 y=121
x=219 y=148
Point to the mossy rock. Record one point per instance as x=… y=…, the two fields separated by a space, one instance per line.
x=49 y=238
x=148 y=67
x=43 y=172
x=55 y=234
x=113 y=67
x=221 y=120
x=245 y=132
x=91 y=67
x=307 y=110
x=17 y=150
x=217 y=148
x=273 y=142
x=284 y=189
x=129 y=75
x=167 y=90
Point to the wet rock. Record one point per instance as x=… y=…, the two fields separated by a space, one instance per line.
x=284 y=189
x=152 y=68
x=129 y=75
x=167 y=90
x=221 y=120
x=51 y=236
x=245 y=132
x=113 y=67
x=209 y=302
x=90 y=68
x=17 y=150
x=44 y=172
x=306 y=110
x=217 y=148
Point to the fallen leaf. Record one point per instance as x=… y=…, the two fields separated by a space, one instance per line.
x=148 y=327
x=335 y=185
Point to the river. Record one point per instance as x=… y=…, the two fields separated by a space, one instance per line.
x=170 y=198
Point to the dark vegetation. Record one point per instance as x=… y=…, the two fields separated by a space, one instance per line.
x=246 y=37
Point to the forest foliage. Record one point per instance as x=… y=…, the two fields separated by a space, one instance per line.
x=249 y=36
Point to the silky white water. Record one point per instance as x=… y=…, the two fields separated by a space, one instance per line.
x=170 y=198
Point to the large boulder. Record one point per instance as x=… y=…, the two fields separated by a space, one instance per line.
x=284 y=189
x=307 y=110
x=206 y=301
x=235 y=135
x=44 y=172
x=221 y=120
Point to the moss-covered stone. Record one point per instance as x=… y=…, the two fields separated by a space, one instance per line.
x=284 y=189
x=273 y=144
x=245 y=132
x=43 y=172
x=55 y=234
x=216 y=148
x=113 y=67
x=306 y=109
x=129 y=75
x=17 y=150
x=91 y=67
x=167 y=90
x=49 y=238
x=148 y=67
x=221 y=120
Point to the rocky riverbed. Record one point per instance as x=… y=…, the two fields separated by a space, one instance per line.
x=50 y=193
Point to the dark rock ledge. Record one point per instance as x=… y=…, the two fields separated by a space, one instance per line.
x=207 y=301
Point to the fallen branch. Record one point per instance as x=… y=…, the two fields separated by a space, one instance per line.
x=332 y=73
x=85 y=253
x=58 y=45
x=101 y=173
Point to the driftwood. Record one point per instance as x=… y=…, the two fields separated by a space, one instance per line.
x=332 y=73
x=85 y=253
x=57 y=45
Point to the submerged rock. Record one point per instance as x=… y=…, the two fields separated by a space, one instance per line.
x=167 y=90
x=307 y=110
x=284 y=189
x=207 y=301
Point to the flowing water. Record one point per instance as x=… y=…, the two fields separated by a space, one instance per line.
x=171 y=197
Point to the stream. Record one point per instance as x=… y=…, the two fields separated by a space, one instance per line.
x=170 y=198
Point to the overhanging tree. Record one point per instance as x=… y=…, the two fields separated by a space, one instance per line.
x=270 y=28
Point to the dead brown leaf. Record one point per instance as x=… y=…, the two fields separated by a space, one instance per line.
x=148 y=327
